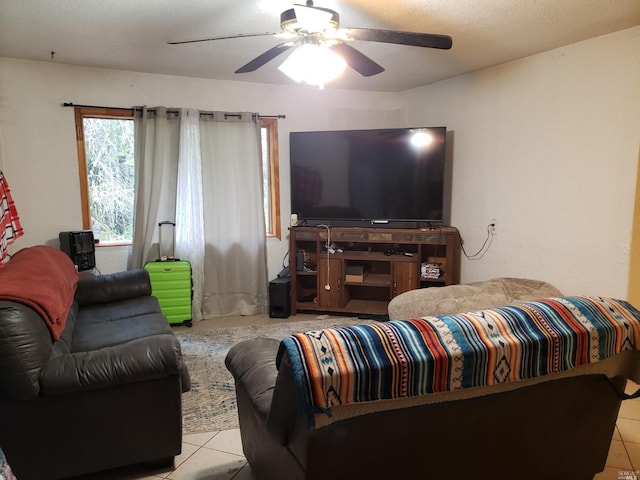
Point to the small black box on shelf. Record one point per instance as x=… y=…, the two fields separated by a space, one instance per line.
x=279 y=298
x=355 y=269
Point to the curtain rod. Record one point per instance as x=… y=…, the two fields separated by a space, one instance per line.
x=69 y=104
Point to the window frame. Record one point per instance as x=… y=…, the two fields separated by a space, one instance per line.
x=271 y=124
x=80 y=114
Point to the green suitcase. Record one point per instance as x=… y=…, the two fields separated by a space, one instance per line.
x=171 y=283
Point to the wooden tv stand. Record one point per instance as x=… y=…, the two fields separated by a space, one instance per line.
x=375 y=265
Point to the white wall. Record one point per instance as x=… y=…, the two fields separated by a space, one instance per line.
x=37 y=135
x=547 y=146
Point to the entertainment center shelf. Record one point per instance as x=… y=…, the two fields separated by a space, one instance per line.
x=369 y=266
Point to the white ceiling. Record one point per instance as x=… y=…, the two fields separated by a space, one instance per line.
x=133 y=34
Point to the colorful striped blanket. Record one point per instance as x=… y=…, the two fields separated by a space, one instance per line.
x=407 y=358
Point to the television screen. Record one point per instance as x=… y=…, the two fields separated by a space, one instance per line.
x=368 y=177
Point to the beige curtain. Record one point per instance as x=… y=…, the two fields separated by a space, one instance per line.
x=235 y=252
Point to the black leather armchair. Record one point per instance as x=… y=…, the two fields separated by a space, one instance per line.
x=107 y=393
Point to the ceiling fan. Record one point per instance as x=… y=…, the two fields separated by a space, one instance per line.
x=309 y=25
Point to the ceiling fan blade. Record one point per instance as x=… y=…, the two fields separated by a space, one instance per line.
x=429 y=40
x=357 y=60
x=241 y=35
x=267 y=56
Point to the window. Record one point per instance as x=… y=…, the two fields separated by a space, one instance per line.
x=105 y=140
x=271 y=175
x=106 y=165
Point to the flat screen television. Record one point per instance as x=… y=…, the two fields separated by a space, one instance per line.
x=391 y=177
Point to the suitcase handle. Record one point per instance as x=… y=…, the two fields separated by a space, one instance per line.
x=171 y=257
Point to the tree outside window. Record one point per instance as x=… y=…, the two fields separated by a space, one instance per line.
x=107 y=172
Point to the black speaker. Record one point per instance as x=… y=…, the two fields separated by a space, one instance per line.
x=80 y=247
x=279 y=298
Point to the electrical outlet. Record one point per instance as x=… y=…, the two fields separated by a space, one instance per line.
x=492 y=226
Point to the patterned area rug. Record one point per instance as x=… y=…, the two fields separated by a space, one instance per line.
x=211 y=403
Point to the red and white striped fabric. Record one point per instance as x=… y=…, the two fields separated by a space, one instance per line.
x=10 y=228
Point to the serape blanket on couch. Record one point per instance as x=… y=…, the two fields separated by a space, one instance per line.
x=406 y=358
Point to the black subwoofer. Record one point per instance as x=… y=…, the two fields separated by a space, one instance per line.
x=279 y=298
x=80 y=246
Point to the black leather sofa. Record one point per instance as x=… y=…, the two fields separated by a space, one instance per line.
x=106 y=393
x=554 y=427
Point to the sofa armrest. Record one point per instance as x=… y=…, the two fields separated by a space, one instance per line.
x=113 y=287
x=270 y=390
x=253 y=366
x=25 y=347
x=138 y=360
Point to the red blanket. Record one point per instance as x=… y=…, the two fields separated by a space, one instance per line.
x=43 y=278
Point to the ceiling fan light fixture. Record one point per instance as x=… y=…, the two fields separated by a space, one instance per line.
x=305 y=19
x=313 y=64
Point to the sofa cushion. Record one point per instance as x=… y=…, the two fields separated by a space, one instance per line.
x=93 y=336
x=139 y=360
x=118 y=310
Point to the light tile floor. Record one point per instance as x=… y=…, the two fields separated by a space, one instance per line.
x=218 y=455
